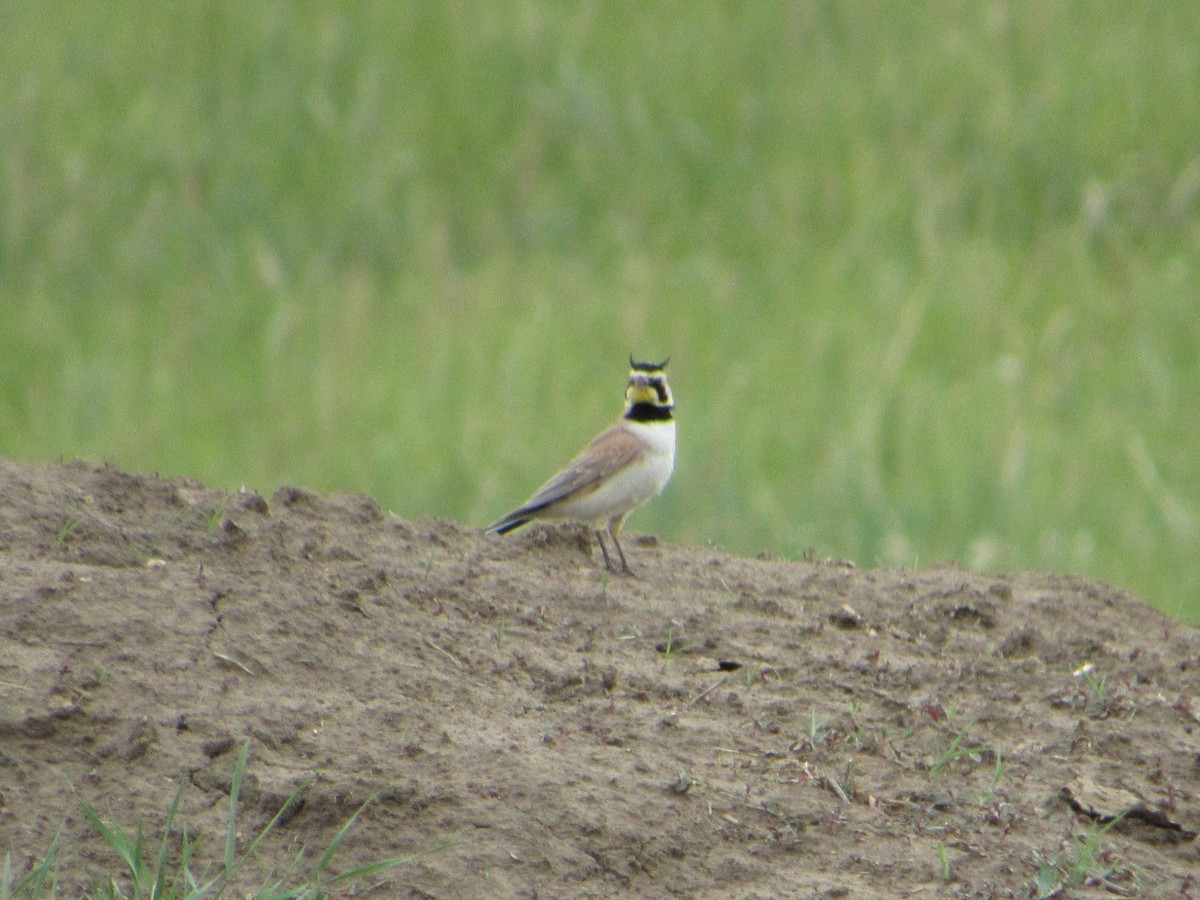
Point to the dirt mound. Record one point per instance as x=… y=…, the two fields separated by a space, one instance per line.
x=720 y=727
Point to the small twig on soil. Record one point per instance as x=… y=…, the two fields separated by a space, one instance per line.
x=229 y=660
x=708 y=690
x=1114 y=888
x=446 y=653
x=837 y=788
x=882 y=695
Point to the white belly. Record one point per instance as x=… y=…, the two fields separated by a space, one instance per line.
x=633 y=485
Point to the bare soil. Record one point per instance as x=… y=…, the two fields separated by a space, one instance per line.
x=719 y=727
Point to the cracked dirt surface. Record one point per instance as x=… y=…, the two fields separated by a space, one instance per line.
x=720 y=727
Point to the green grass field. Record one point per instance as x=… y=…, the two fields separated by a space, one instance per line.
x=929 y=275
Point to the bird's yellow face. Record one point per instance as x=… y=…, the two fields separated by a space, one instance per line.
x=648 y=386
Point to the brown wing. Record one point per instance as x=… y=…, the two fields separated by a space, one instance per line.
x=610 y=452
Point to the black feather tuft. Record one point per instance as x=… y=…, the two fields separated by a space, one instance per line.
x=646 y=366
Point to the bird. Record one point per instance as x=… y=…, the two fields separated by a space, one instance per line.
x=623 y=467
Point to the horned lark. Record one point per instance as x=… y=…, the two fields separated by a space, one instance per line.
x=622 y=468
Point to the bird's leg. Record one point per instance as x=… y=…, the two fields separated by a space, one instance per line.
x=607 y=562
x=614 y=528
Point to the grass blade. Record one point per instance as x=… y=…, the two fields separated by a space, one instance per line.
x=288 y=804
x=40 y=881
x=189 y=885
x=130 y=850
x=235 y=789
x=160 y=880
x=371 y=868
x=336 y=843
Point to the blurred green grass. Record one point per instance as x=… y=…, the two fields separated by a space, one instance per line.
x=928 y=275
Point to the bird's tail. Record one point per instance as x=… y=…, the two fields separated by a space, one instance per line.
x=511 y=522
